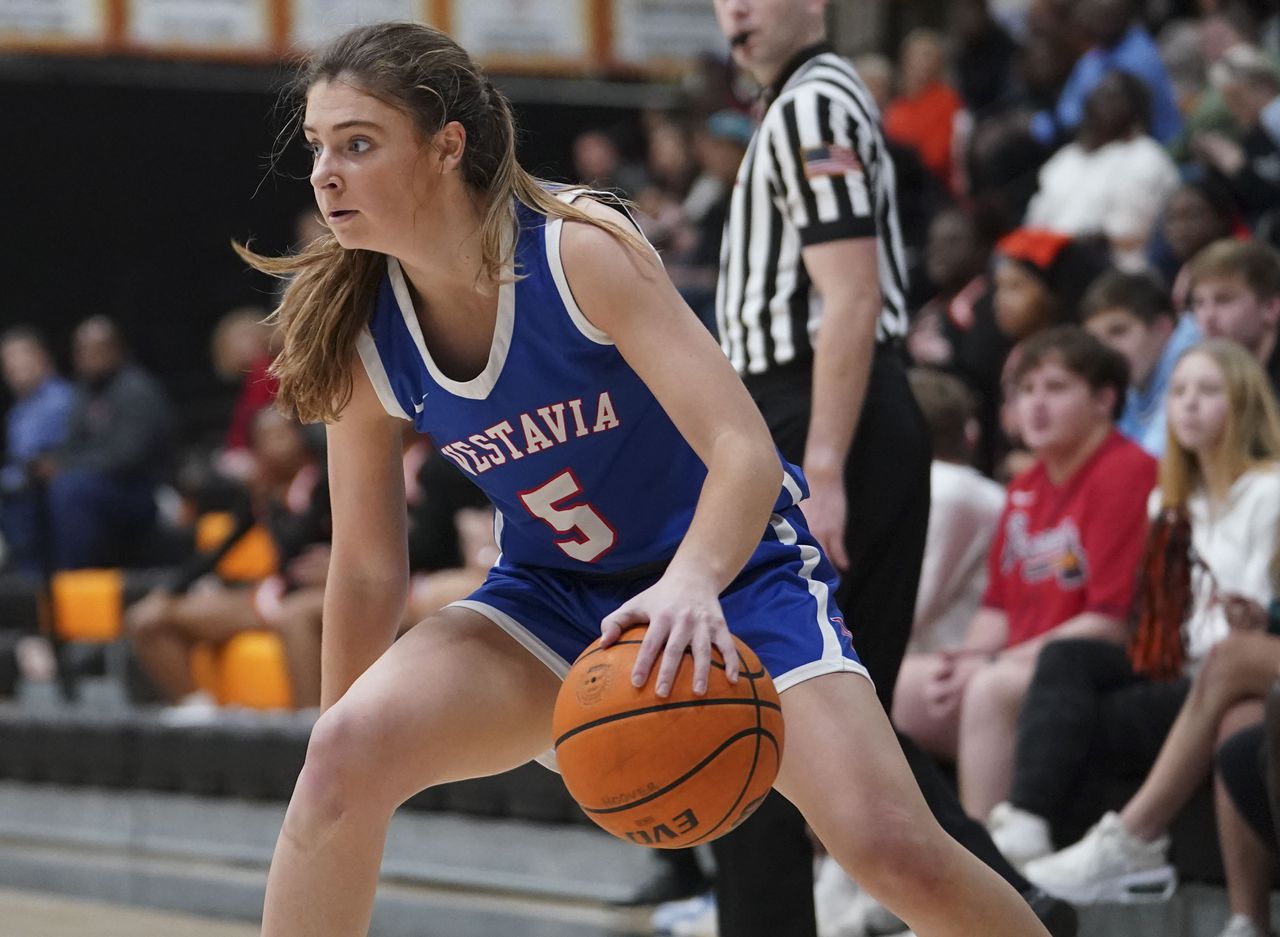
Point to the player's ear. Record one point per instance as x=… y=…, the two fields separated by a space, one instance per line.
x=450 y=145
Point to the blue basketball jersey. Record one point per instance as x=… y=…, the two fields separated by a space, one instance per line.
x=584 y=467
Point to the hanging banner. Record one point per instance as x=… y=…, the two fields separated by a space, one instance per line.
x=314 y=22
x=201 y=26
x=664 y=33
x=535 y=34
x=52 y=23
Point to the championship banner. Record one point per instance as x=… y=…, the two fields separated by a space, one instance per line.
x=200 y=27
x=52 y=24
x=664 y=34
x=314 y=22
x=538 y=35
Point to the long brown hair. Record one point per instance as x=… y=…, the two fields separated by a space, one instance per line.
x=425 y=74
x=1250 y=438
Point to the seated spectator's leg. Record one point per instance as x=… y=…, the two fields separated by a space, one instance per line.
x=1245 y=856
x=935 y=729
x=1271 y=755
x=164 y=628
x=298 y=623
x=130 y=515
x=988 y=730
x=1241 y=667
x=21 y=524
x=1059 y=721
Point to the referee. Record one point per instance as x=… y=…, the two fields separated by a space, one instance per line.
x=811 y=311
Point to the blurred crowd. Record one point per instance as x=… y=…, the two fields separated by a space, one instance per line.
x=1090 y=199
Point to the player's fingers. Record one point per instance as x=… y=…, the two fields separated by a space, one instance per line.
x=672 y=652
x=615 y=623
x=728 y=651
x=654 y=639
x=700 y=643
x=835 y=547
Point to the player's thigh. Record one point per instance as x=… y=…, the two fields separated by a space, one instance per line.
x=841 y=763
x=454 y=698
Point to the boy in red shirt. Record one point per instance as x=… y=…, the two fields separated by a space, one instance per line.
x=1063 y=562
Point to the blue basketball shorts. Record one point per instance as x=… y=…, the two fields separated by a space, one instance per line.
x=781 y=605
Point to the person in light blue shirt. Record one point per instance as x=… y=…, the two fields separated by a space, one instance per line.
x=36 y=425
x=1120 y=42
x=1133 y=313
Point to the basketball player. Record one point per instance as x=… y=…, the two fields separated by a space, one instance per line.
x=812 y=312
x=541 y=346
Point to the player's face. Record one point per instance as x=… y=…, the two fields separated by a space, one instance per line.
x=1058 y=410
x=1225 y=307
x=764 y=34
x=1197 y=405
x=371 y=168
x=1140 y=343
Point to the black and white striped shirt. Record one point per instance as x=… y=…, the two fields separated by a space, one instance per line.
x=816 y=171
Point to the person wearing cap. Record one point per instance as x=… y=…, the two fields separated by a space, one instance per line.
x=1040 y=278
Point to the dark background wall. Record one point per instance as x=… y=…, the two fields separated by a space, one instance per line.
x=122 y=199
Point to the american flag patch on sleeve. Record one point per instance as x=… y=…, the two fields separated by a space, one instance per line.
x=830 y=159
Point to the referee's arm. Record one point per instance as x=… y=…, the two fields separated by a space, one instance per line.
x=845 y=274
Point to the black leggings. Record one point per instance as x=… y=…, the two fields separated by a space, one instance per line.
x=1087 y=718
x=1243 y=768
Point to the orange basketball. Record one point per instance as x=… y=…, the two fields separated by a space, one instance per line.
x=666 y=772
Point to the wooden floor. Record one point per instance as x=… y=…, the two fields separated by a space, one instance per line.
x=29 y=914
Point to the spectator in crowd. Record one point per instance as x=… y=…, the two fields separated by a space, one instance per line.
x=1250 y=87
x=242 y=353
x=963 y=512
x=288 y=496
x=877 y=74
x=1131 y=313
x=984 y=59
x=923 y=115
x=1113 y=180
x=956 y=330
x=1040 y=278
x=598 y=163
x=1105 y=717
x=1061 y=565
x=1198 y=213
x=1220 y=490
x=1235 y=293
x=35 y=426
x=102 y=481
x=1120 y=42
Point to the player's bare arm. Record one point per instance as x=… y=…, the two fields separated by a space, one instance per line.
x=845 y=274
x=369 y=568
x=627 y=295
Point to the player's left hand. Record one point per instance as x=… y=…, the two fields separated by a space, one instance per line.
x=682 y=612
x=824 y=511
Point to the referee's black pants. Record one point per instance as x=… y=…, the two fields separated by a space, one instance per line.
x=764 y=878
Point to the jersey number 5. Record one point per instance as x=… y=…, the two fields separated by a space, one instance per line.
x=590 y=536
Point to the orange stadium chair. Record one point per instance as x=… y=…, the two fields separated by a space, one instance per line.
x=88 y=604
x=204 y=668
x=254 y=557
x=252 y=672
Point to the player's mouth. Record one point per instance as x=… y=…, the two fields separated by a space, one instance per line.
x=341 y=215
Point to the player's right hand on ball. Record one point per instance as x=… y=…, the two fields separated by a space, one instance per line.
x=682 y=613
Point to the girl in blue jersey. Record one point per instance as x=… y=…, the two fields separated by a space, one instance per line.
x=538 y=340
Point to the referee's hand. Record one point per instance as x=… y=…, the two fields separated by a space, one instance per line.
x=824 y=512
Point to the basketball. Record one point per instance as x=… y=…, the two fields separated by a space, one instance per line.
x=670 y=772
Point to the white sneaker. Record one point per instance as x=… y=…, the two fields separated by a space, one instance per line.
x=197 y=708
x=666 y=915
x=861 y=917
x=833 y=892
x=1241 y=925
x=1019 y=834
x=1109 y=864
x=703 y=923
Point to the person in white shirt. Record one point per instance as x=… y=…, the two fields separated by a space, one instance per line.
x=1113 y=180
x=1201 y=663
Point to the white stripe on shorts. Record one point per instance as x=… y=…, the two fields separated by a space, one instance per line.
x=832 y=659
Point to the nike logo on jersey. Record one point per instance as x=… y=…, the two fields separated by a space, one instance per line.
x=530 y=432
x=418 y=407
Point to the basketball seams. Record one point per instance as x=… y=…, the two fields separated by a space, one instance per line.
x=679 y=704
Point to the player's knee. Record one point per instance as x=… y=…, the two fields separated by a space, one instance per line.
x=896 y=855
x=339 y=777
